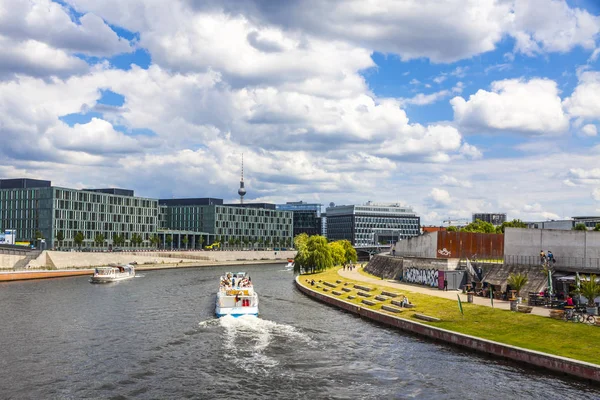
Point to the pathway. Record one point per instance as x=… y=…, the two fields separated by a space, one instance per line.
x=451 y=294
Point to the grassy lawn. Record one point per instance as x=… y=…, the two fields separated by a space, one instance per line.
x=567 y=339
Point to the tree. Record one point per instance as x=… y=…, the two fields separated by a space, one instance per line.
x=169 y=240
x=517 y=282
x=350 y=255
x=580 y=227
x=268 y=241
x=154 y=240
x=590 y=289
x=185 y=241
x=338 y=254
x=201 y=241
x=452 y=229
x=515 y=223
x=99 y=240
x=237 y=242
x=597 y=228
x=314 y=254
x=78 y=239
x=60 y=236
x=136 y=239
x=479 y=226
x=231 y=241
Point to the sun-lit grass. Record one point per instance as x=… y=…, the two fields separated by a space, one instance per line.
x=567 y=339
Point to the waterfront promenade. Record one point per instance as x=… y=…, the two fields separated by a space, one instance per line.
x=355 y=274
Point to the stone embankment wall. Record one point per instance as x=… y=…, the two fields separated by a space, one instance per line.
x=64 y=259
x=557 y=364
x=536 y=279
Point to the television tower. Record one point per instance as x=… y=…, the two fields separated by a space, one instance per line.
x=241 y=190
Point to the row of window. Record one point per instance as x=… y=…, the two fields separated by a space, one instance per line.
x=90 y=197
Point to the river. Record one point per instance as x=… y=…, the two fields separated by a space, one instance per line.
x=155 y=337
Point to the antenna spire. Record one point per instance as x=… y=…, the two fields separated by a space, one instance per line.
x=242 y=190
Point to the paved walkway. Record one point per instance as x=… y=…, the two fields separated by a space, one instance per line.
x=451 y=294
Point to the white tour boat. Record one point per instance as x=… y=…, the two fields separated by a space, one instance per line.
x=113 y=273
x=236 y=296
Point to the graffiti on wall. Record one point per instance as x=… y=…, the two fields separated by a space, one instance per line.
x=428 y=277
x=444 y=252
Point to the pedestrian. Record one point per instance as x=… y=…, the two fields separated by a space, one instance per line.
x=550 y=257
x=445 y=284
x=542 y=256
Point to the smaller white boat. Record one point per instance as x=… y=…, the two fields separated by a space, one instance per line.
x=290 y=264
x=113 y=273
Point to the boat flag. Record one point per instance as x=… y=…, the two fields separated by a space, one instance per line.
x=460 y=305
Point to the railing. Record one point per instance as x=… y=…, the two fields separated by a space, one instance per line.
x=579 y=263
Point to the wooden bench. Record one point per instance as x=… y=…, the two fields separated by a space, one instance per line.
x=351 y=297
x=365 y=288
x=389 y=294
x=332 y=285
x=345 y=289
x=336 y=292
x=338 y=281
x=427 y=318
x=368 y=302
x=325 y=289
x=363 y=294
x=381 y=298
x=391 y=309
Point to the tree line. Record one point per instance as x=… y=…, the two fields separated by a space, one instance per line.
x=315 y=253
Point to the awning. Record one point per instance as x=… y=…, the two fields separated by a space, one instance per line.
x=566 y=278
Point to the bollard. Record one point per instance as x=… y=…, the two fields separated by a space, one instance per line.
x=513 y=304
x=470 y=297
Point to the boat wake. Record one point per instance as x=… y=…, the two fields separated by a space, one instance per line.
x=255 y=344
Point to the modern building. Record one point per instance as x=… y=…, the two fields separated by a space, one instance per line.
x=34 y=207
x=369 y=224
x=493 y=218
x=565 y=224
x=244 y=224
x=307 y=217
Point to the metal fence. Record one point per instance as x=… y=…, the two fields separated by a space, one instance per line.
x=579 y=263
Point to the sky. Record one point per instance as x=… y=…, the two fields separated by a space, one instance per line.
x=450 y=107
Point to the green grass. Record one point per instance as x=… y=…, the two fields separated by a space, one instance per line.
x=557 y=337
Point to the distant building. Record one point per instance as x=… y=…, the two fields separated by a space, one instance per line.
x=371 y=223
x=493 y=218
x=428 y=229
x=565 y=224
x=307 y=217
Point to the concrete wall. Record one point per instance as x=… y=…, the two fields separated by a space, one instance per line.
x=420 y=246
x=64 y=259
x=8 y=260
x=563 y=244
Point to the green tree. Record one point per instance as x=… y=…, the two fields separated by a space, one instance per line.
x=479 y=226
x=338 y=254
x=452 y=229
x=185 y=241
x=78 y=239
x=268 y=241
x=136 y=239
x=350 y=255
x=597 y=227
x=231 y=241
x=201 y=241
x=60 y=236
x=154 y=240
x=314 y=254
x=260 y=242
x=99 y=240
x=517 y=282
x=515 y=223
x=590 y=289
x=169 y=240
x=580 y=227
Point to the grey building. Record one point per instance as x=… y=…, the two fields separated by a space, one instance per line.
x=371 y=223
x=565 y=224
x=231 y=224
x=493 y=218
x=30 y=206
x=306 y=216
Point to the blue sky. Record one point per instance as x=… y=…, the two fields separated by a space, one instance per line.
x=413 y=103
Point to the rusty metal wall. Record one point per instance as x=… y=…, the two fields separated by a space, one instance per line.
x=467 y=244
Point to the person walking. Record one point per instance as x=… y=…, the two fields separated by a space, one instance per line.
x=550 y=257
x=542 y=256
x=445 y=284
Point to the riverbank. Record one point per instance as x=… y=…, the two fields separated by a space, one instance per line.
x=556 y=345
x=6 y=276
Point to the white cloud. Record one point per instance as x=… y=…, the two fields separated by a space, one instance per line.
x=584 y=102
x=422 y=99
x=452 y=181
x=440 y=197
x=589 y=130
x=596 y=194
x=470 y=151
x=552 y=27
x=528 y=107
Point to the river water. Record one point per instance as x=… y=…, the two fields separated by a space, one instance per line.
x=155 y=337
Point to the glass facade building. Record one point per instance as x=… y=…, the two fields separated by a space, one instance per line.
x=493 y=218
x=307 y=217
x=369 y=224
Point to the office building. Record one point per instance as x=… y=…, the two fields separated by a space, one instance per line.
x=493 y=218
x=32 y=207
x=306 y=216
x=565 y=224
x=369 y=224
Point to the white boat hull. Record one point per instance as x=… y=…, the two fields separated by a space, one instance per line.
x=107 y=279
x=236 y=311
